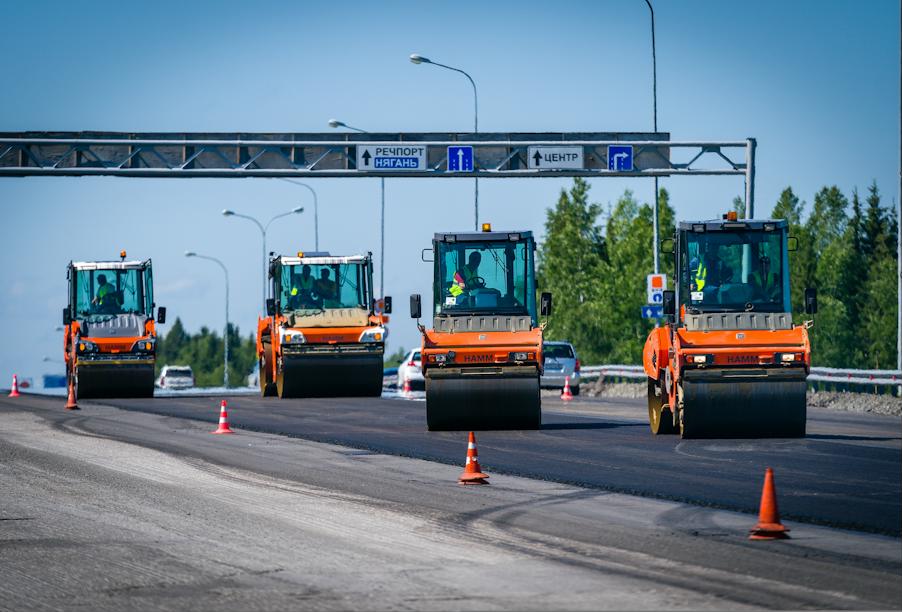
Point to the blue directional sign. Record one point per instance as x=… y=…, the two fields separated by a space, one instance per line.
x=460 y=159
x=652 y=312
x=620 y=158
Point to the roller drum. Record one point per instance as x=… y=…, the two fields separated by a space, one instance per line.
x=96 y=380
x=330 y=376
x=460 y=401
x=744 y=404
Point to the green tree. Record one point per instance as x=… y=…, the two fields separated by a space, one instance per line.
x=570 y=266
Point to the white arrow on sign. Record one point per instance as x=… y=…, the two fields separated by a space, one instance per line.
x=617 y=158
x=460 y=159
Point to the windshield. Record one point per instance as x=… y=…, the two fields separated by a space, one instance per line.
x=323 y=286
x=558 y=351
x=179 y=372
x=733 y=271
x=110 y=292
x=490 y=277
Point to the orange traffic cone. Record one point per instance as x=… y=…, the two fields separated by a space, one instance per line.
x=769 y=526
x=566 y=394
x=223 y=420
x=15 y=389
x=406 y=390
x=472 y=473
x=71 y=403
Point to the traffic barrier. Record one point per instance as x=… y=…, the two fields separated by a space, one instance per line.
x=567 y=394
x=15 y=390
x=472 y=474
x=71 y=403
x=769 y=526
x=223 y=420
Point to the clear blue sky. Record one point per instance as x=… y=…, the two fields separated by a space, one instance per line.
x=816 y=82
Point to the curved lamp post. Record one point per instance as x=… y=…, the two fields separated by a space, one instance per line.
x=315 y=210
x=419 y=59
x=335 y=123
x=231 y=213
x=225 y=335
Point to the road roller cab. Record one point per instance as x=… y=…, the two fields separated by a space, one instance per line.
x=324 y=332
x=483 y=356
x=110 y=328
x=729 y=362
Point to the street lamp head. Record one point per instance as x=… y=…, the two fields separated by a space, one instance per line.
x=190 y=254
x=335 y=123
x=227 y=213
x=419 y=59
x=298 y=210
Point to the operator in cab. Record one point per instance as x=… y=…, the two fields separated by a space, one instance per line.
x=105 y=298
x=465 y=279
x=766 y=281
x=301 y=293
x=327 y=290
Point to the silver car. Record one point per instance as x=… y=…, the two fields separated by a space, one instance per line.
x=560 y=362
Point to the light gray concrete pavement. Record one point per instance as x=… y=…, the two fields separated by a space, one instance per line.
x=108 y=509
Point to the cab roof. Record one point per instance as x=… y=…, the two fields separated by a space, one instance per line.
x=327 y=260
x=720 y=225
x=109 y=265
x=511 y=236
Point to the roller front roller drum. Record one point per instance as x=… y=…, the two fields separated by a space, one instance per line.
x=99 y=380
x=461 y=400
x=330 y=376
x=765 y=403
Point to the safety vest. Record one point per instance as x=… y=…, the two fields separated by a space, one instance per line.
x=461 y=281
x=303 y=283
x=701 y=274
x=102 y=293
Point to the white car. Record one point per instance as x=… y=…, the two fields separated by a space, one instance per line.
x=176 y=377
x=411 y=369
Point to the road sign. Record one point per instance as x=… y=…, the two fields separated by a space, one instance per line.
x=391 y=156
x=555 y=158
x=620 y=158
x=655 y=285
x=652 y=312
x=460 y=159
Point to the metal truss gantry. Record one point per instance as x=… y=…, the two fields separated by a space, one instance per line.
x=309 y=155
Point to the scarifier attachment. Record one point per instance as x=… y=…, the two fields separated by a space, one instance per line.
x=330 y=376
x=483 y=399
x=744 y=403
x=98 y=380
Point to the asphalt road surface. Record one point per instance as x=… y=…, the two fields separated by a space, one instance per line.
x=126 y=509
x=846 y=473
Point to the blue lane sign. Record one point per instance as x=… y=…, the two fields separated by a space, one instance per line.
x=620 y=158
x=652 y=312
x=460 y=159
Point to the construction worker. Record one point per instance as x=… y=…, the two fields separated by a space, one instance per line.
x=467 y=278
x=105 y=296
x=327 y=290
x=707 y=264
x=766 y=280
x=301 y=293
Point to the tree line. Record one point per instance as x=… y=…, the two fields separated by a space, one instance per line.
x=847 y=250
x=204 y=350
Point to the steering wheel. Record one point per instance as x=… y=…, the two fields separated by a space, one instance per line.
x=477 y=282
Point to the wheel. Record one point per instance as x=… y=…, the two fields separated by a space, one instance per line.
x=574 y=390
x=660 y=418
x=267 y=387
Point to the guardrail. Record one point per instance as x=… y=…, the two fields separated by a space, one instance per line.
x=835 y=375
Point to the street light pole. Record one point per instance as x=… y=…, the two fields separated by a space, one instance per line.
x=315 y=211
x=419 y=59
x=654 y=93
x=335 y=123
x=230 y=213
x=225 y=335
